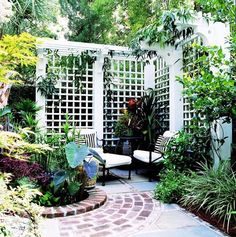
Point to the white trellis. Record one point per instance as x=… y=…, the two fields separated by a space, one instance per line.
x=90 y=108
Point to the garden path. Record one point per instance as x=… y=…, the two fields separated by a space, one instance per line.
x=130 y=211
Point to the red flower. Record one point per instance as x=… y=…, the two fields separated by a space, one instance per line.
x=132 y=104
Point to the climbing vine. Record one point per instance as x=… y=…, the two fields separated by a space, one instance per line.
x=108 y=83
x=211 y=90
x=76 y=63
x=167 y=30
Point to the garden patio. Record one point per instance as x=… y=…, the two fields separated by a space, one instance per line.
x=98 y=139
x=131 y=210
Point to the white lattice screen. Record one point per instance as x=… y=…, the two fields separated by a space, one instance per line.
x=162 y=88
x=190 y=56
x=127 y=81
x=68 y=99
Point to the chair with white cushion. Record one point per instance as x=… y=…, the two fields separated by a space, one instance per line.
x=89 y=137
x=157 y=155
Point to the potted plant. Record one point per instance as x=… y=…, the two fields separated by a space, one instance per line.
x=128 y=123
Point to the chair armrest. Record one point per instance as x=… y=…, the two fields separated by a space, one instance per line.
x=97 y=156
x=100 y=142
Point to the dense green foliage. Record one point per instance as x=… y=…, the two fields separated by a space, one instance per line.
x=211 y=88
x=115 y=22
x=16 y=51
x=186 y=151
x=32 y=16
x=89 y=21
x=220 y=10
x=183 y=155
x=170 y=188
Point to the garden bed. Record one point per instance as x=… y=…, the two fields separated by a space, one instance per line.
x=96 y=198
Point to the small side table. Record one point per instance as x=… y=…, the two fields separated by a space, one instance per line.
x=128 y=143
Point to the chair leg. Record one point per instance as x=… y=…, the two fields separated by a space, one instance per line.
x=150 y=172
x=135 y=166
x=130 y=166
x=103 y=175
x=108 y=173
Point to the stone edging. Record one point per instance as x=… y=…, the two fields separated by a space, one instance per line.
x=96 y=199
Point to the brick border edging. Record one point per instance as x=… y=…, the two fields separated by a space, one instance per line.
x=95 y=199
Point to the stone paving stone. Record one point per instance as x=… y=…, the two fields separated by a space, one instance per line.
x=101 y=227
x=148 y=206
x=135 y=208
x=144 y=186
x=123 y=211
x=101 y=234
x=82 y=226
x=145 y=213
x=177 y=219
x=120 y=221
x=170 y=206
x=198 y=231
x=106 y=220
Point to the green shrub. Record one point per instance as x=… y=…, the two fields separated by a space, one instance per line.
x=170 y=187
x=214 y=191
x=186 y=151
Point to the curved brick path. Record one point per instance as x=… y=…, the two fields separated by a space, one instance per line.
x=121 y=214
x=130 y=211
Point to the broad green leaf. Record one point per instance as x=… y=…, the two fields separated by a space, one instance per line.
x=59 y=178
x=74 y=155
x=73 y=188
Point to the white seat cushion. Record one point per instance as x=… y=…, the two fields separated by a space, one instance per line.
x=113 y=160
x=144 y=156
x=99 y=150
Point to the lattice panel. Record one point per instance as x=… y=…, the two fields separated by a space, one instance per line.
x=127 y=81
x=78 y=104
x=162 y=89
x=190 y=55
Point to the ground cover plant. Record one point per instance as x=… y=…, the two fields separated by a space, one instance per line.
x=213 y=190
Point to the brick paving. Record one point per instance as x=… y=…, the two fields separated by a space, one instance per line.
x=130 y=211
x=122 y=213
x=96 y=199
